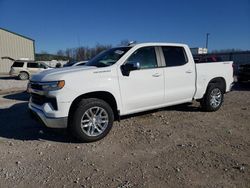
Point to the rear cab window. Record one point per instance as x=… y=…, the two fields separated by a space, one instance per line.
x=174 y=56
x=18 y=64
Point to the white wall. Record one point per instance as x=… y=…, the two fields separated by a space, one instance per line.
x=14 y=46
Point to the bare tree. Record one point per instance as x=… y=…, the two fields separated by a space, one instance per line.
x=60 y=53
x=69 y=53
x=83 y=53
x=227 y=50
x=80 y=54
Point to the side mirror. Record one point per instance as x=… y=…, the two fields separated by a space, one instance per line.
x=129 y=66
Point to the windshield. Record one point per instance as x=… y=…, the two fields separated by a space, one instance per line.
x=108 y=57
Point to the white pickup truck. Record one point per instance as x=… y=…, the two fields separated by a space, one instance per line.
x=122 y=81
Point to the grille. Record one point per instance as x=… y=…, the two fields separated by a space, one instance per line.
x=36 y=86
x=37 y=99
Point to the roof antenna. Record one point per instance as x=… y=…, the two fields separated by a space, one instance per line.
x=131 y=43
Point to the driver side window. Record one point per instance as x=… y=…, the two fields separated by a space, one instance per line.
x=145 y=56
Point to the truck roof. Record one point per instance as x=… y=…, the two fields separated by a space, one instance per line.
x=157 y=44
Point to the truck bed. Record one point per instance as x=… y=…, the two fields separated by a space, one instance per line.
x=209 y=70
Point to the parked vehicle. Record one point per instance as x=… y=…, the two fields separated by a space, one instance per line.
x=243 y=72
x=24 y=68
x=75 y=63
x=207 y=59
x=122 y=81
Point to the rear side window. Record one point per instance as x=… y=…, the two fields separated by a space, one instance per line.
x=174 y=56
x=33 y=65
x=18 y=64
x=145 y=56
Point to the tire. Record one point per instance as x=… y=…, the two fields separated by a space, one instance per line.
x=92 y=120
x=23 y=76
x=213 y=98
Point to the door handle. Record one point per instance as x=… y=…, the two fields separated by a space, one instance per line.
x=189 y=71
x=156 y=75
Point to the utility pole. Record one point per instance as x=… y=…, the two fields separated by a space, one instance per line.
x=207 y=35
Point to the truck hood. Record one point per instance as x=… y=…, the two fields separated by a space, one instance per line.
x=58 y=73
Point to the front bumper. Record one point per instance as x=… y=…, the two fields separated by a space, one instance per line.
x=49 y=121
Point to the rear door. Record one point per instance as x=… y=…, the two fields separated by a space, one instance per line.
x=144 y=88
x=179 y=74
x=16 y=68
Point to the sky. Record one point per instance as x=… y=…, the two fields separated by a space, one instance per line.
x=61 y=24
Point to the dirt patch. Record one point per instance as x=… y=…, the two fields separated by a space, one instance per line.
x=178 y=146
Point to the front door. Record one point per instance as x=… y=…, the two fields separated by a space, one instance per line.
x=144 y=88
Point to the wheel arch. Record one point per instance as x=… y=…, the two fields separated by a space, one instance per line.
x=103 y=95
x=205 y=101
x=220 y=81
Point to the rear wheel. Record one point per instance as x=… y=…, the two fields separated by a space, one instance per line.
x=23 y=76
x=92 y=120
x=213 y=98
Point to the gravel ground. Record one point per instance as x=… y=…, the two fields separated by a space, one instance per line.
x=10 y=84
x=178 y=146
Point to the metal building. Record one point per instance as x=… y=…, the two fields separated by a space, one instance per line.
x=14 y=46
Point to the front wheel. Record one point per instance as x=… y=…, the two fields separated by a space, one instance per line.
x=92 y=120
x=213 y=98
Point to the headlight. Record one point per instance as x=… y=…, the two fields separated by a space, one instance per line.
x=52 y=86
